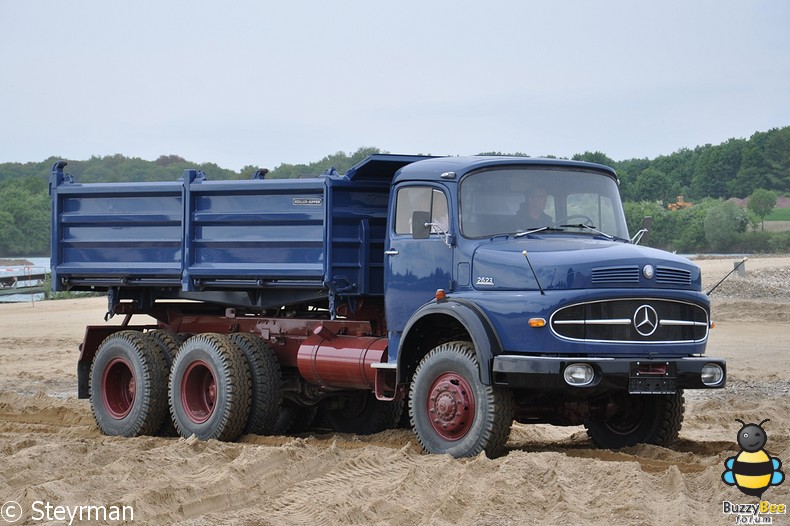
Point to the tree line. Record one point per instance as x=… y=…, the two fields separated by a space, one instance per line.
x=706 y=175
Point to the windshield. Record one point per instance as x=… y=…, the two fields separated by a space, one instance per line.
x=521 y=199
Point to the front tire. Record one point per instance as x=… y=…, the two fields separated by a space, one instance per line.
x=210 y=391
x=129 y=385
x=640 y=419
x=452 y=411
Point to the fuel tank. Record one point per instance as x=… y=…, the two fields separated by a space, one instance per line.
x=331 y=360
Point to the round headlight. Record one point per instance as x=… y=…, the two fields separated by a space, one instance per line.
x=579 y=374
x=712 y=374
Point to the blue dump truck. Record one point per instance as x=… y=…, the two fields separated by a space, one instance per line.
x=452 y=295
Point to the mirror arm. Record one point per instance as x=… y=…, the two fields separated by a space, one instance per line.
x=638 y=236
x=446 y=237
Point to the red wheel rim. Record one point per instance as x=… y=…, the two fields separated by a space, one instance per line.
x=451 y=406
x=198 y=392
x=118 y=388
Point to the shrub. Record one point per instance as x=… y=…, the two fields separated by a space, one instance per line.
x=780 y=242
x=723 y=222
x=755 y=241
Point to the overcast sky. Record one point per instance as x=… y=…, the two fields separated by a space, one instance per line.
x=251 y=82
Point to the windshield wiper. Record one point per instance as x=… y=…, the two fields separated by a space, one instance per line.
x=610 y=237
x=536 y=230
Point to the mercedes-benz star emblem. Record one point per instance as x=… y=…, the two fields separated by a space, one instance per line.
x=646 y=320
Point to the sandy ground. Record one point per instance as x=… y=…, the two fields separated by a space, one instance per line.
x=52 y=452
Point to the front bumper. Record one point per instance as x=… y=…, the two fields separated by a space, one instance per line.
x=636 y=375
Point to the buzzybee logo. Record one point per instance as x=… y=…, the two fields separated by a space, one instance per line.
x=752 y=470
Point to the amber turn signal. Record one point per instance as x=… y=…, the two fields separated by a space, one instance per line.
x=537 y=322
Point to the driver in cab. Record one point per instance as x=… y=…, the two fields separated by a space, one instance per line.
x=531 y=213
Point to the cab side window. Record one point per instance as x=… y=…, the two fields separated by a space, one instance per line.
x=420 y=199
x=439 y=212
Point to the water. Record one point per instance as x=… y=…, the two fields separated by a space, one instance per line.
x=22 y=298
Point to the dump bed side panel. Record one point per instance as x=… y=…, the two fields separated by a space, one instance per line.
x=190 y=236
x=255 y=233
x=106 y=234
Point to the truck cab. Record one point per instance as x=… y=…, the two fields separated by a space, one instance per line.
x=523 y=270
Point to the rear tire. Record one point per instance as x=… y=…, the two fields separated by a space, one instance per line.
x=641 y=419
x=267 y=392
x=210 y=393
x=129 y=385
x=452 y=411
x=169 y=343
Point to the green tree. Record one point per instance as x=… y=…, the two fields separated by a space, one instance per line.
x=714 y=167
x=655 y=185
x=627 y=172
x=765 y=163
x=340 y=161
x=679 y=166
x=761 y=203
x=500 y=154
x=24 y=223
x=723 y=222
x=594 y=157
x=688 y=227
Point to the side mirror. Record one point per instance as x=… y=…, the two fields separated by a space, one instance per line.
x=420 y=225
x=647 y=222
x=644 y=232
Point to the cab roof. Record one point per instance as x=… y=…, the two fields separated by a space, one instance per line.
x=397 y=168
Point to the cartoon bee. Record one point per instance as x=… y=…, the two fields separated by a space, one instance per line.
x=752 y=470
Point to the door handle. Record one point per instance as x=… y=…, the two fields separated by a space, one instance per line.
x=391 y=253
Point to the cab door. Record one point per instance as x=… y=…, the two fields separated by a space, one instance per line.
x=415 y=268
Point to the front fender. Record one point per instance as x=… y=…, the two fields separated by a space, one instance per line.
x=470 y=317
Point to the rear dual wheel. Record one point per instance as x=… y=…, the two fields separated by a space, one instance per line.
x=266 y=399
x=169 y=343
x=129 y=385
x=214 y=386
x=210 y=389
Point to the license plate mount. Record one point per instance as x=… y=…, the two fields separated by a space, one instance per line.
x=653 y=378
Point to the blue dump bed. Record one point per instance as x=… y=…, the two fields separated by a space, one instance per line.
x=193 y=236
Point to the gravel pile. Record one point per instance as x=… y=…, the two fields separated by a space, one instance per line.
x=741 y=389
x=771 y=284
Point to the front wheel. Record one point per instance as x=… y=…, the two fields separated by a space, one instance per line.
x=639 y=419
x=452 y=411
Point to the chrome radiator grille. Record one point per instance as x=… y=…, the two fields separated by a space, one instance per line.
x=632 y=321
